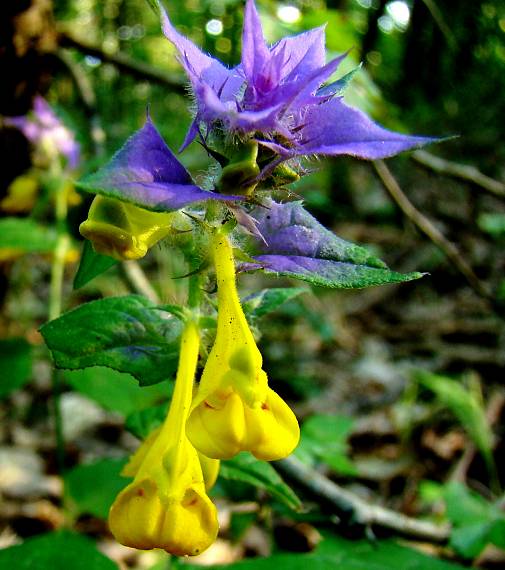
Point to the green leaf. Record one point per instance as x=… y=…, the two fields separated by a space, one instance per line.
x=477 y=522
x=332 y=274
x=379 y=555
x=336 y=553
x=470 y=540
x=263 y=302
x=324 y=438
x=55 y=551
x=296 y=245
x=92 y=264
x=493 y=223
x=15 y=364
x=246 y=468
x=467 y=405
x=92 y=488
x=143 y=422
x=26 y=236
x=116 y=391
x=128 y=334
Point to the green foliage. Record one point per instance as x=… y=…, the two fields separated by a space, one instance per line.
x=467 y=405
x=265 y=301
x=91 y=489
x=246 y=468
x=336 y=275
x=493 y=223
x=26 y=236
x=476 y=522
x=15 y=364
x=91 y=265
x=324 y=438
x=129 y=334
x=141 y=423
x=339 y=553
x=116 y=391
x=55 y=551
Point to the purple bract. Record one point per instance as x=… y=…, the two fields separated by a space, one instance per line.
x=277 y=96
x=146 y=173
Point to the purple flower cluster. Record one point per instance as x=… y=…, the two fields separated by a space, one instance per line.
x=278 y=103
x=278 y=95
x=42 y=127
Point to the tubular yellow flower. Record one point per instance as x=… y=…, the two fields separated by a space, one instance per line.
x=234 y=409
x=122 y=230
x=166 y=505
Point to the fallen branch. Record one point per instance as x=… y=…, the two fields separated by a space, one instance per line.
x=462 y=171
x=426 y=226
x=125 y=63
x=363 y=512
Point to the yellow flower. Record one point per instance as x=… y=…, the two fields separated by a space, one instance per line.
x=122 y=230
x=234 y=409
x=166 y=505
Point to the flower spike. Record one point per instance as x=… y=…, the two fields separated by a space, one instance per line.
x=166 y=505
x=277 y=96
x=234 y=409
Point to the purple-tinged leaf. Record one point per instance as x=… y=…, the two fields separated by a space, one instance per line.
x=146 y=173
x=288 y=229
x=326 y=273
x=298 y=246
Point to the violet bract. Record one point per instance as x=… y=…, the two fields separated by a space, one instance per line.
x=278 y=96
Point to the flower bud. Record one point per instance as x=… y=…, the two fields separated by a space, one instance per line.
x=122 y=230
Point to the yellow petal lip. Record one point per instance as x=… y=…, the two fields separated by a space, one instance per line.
x=269 y=431
x=122 y=230
x=112 y=241
x=143 y=518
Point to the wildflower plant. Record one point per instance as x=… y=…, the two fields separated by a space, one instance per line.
x=259 y=121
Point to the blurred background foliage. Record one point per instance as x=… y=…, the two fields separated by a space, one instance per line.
x=399 y=388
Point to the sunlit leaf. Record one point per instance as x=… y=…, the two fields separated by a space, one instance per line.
x=324 y=438
x=128 y=334
x=92 y=488
x=92 y=264
x=116 y=391
x=26 y=236
x=265 y=301
x=246 y=468
x=55 y=551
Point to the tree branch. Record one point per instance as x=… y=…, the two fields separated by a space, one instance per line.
x=327 y=491
x=462 y=171
x=427 y=228
x=125 y=63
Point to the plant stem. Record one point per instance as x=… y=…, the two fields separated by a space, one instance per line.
x=55 y=298
x=194 y=291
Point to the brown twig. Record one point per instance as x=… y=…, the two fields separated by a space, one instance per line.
x=363 y=512
x=125 y=63
x=427 y=227
x=462 y=171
